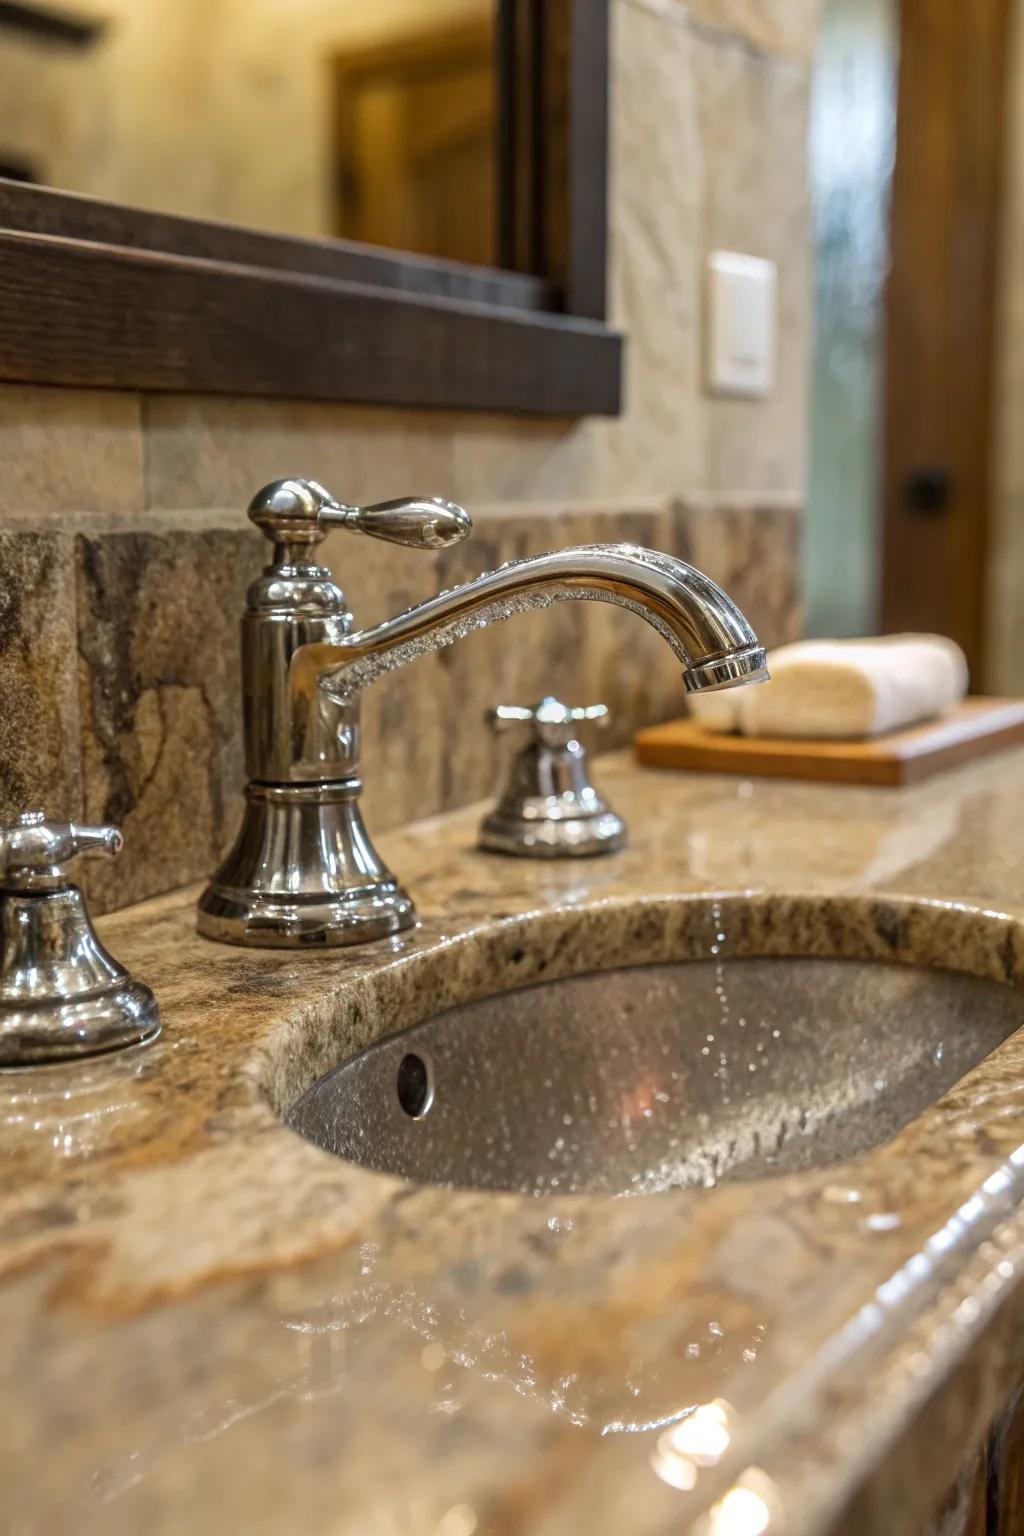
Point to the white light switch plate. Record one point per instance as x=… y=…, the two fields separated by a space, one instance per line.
x=741 y=324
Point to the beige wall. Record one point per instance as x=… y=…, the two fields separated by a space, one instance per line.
x=218 y=109
x=709 y=117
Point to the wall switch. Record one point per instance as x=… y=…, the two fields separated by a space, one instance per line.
x=741 y=324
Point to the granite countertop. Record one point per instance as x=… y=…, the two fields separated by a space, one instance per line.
x=209 y=1325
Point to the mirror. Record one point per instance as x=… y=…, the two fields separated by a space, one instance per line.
x=400 y=203
x=312 y=118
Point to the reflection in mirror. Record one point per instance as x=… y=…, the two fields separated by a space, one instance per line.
x=416 y=141
x=304 y=117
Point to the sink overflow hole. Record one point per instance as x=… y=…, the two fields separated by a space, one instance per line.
x=415 y=1085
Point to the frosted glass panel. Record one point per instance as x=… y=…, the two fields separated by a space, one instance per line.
x=853 y=138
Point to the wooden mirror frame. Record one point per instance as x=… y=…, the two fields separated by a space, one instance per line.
x=97 y=295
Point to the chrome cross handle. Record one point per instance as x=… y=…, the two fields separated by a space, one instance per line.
x=549 y=808
x=33 y=850
x=551 y=722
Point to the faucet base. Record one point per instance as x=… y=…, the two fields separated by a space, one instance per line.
x=544 y=837
x=38 y=1034
x=303 y=874
x=62 y=996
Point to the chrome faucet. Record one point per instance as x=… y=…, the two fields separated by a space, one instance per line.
x=303 y=870
x=62 y=995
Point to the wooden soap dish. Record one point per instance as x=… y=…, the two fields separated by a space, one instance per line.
x=972 y=728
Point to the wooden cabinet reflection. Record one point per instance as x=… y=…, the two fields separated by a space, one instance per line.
x=416 y=143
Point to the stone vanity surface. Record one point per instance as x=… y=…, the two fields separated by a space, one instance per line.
x=207 y=1325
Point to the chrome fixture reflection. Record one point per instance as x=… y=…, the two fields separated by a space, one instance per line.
x=549 y=808
x=61 y=994
x=751 y=1507
x=303 y=870
x=700 y=1438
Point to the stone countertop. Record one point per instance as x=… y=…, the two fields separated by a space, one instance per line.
x=208 y=1325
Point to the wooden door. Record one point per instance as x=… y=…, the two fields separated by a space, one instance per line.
x=939 y=317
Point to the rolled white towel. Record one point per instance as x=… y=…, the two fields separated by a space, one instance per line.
x=717 y=711
x=841 y=689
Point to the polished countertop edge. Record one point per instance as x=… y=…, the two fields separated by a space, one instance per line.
x=897 y=1354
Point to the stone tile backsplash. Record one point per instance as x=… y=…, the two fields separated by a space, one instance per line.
x=40 y=758
x=119 y=665
x=159 y=699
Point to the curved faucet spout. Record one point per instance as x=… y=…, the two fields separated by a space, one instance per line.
x=303 y=869
x=703 y=626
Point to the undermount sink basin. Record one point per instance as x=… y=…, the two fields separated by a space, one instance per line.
x=660 y=1076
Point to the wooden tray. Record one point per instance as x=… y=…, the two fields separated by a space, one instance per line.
x=973 y=728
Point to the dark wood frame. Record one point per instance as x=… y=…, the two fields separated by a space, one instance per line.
x=50 y=23
x=552 y=82
x=96 y=295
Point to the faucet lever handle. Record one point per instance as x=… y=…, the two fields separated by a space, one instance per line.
x=34 y=850
x=419 y=522
x=297 y=514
